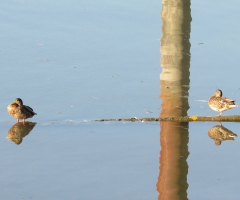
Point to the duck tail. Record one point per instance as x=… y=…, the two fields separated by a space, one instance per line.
x=233 y=106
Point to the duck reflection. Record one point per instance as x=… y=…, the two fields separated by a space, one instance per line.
x=219 y=133
x=19 y=130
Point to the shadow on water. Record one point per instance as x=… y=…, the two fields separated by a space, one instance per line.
x=174 y=86
x=19 y=130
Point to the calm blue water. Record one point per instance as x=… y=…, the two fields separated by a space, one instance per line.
x=85 y=161
x=80 y=61
x=214 y=64
x=213 y=170
x=74 y=62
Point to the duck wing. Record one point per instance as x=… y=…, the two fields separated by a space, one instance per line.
x=229 y=100
x=29 y=109
x=225 y=100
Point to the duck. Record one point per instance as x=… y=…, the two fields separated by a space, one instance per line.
x=19 y=111
x=219 y=103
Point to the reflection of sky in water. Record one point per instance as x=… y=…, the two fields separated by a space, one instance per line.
x=212 y=169
x=214 y=64
x=85 y=60
x=63 y=58
x=111 y=161
x=107 y=157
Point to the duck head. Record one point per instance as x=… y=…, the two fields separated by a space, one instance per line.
x=218 y=93
x=18 y=101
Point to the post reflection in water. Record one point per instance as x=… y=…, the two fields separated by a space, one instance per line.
x=19 y=130
x=174 y=86
x=220 y=133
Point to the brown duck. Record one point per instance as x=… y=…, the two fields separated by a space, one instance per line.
x=219 y=103
x=20 y=111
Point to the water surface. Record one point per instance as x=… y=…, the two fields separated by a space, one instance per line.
x=74 y=62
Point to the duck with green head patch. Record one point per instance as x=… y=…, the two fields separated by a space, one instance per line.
x=219 y=103
x=20 y=111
